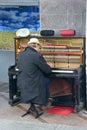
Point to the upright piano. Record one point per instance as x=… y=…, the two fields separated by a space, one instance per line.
x=68 y=78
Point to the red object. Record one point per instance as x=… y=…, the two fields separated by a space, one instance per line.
x=60 y=110
x=68 y=32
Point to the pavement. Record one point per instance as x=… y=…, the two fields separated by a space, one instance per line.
x=25 y=125
x=10 y=117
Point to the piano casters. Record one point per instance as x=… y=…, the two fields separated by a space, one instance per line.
x=34 y=110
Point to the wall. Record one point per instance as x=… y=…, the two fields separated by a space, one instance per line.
x=86 y=41
x=19 y=2
x=63 y=14
x=7 y=58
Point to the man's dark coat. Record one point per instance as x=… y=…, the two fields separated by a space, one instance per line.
x=33 y=71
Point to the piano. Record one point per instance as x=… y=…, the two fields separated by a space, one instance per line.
x=68 y=77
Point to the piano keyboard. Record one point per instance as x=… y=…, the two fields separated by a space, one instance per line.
x=62 y=71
